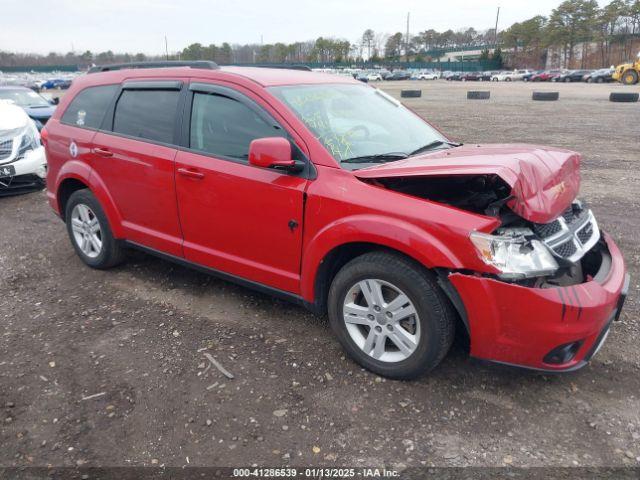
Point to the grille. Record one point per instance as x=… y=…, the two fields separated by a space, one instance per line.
x=565 y=249
x=547 y=229
x=572 y=234
x=6 y=147
x=585 y=234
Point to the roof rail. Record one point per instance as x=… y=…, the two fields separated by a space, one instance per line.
x=303 y=68
x=204 y=64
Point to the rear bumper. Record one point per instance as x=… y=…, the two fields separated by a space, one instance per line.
x=520 y=326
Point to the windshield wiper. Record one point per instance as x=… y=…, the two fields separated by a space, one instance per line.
x=376 y=158
x=434 y=144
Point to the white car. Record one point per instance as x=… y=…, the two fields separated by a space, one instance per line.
x=519 y=74
x=509 y=76
x=428 y=76
x=374 y=77
x=23 y=165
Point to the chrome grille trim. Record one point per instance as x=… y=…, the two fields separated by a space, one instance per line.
x=575 y=238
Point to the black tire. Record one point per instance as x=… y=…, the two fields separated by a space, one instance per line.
x=411 y=93
x=111 y=252
x=436 y=314
x=478 y=95
x=600 y=80
x=629 y=77
x=627 y=97
x=545 y=96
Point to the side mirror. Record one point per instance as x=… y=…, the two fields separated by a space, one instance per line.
x=54 y=101
x=272 y=152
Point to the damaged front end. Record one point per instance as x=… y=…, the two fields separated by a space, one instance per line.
x=553 y=282
x=519 y=251
x=565 y=251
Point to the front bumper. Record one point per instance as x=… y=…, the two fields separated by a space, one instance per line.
x=30 y=174
x=520 y=326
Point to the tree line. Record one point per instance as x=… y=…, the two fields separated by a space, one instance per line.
x=578 y=33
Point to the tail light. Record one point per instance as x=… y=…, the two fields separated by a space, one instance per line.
x=44 y=136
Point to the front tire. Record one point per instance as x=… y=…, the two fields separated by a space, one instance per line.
x=630 y=77
x=89 y=231
x=390 y=315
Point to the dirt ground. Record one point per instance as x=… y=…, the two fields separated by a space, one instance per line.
x=107 y=368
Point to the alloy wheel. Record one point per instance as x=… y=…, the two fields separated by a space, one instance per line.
x=87 y=232
x=381 y=320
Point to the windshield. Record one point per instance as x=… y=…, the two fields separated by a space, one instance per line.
x=357 y=124
x=23 y=98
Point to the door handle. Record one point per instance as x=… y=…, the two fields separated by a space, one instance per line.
x=103 y=152
x=191 y=173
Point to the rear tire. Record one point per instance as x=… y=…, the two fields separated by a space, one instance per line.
x=425 y=339
x=90 y=232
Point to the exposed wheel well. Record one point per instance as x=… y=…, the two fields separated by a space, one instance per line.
x=66 y=189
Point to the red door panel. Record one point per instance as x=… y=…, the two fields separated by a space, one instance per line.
x=140 y=177
x=236 y=218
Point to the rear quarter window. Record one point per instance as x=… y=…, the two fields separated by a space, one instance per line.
x=87 y=109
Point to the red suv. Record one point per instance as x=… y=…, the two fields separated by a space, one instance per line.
x=330 y=193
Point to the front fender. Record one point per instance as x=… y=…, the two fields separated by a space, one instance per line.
x=377 y=229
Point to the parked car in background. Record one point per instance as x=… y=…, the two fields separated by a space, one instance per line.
x=454 y=76
x=499 y=76
x=520 y=74
x=527 y=77
x=399 y=75
x=374 y=77
x=571 y=76
x=604 y=75
x=55 y=84
x=427 y=76
x=509 y=76
x=471 y=76
x=545 y=76
x=23 y=165
x=38 y=108
x=362 y=77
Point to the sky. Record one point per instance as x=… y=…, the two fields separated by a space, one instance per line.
x=41 y=26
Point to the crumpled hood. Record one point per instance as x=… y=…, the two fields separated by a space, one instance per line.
x=544 y=181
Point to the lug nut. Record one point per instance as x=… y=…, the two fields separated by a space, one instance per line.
x=371 y=317
x=390 y=327
x=376 y=308
x=378 y=329
x=389 y=314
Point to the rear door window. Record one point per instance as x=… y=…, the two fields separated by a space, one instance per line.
x=87 y=109
x=147 y=114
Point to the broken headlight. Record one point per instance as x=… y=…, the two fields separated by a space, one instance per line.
x=515 y=253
